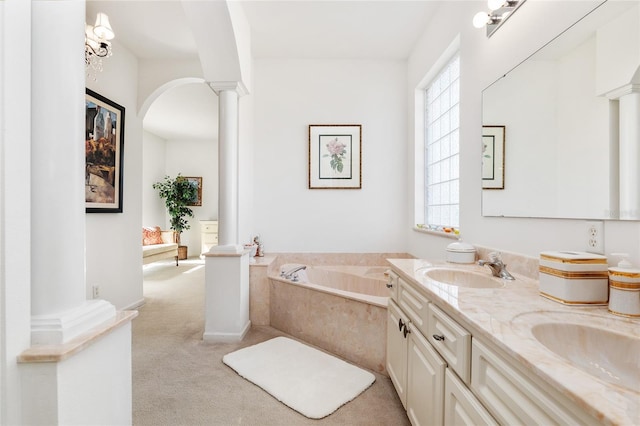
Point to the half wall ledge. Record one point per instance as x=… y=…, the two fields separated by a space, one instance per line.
x=58 y=353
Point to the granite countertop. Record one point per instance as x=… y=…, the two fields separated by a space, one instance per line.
x=504 y=316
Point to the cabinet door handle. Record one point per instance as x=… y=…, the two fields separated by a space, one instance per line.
x=406 y=331
x=400 y=324
x=389 y=285
x=439 y=338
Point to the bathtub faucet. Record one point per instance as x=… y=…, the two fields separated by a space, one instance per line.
x=291 y=274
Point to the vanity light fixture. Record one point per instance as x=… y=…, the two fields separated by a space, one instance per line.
x=499 y=11
x=97 y=43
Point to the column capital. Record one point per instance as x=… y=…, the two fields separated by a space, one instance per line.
x=234 y=86
x=621 y=91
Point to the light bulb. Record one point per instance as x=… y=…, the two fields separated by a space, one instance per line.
x=495 y=4
x=480 y=19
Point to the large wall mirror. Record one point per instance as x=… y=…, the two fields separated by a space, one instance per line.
x=552 y=125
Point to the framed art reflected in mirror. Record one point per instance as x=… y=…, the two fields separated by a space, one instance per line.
x=493 y=157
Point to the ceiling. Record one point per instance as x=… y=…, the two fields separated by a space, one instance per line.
x=321 y=29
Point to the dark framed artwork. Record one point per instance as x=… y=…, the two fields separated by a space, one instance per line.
x=335 y=158
x=197 y=182
x=104 y=154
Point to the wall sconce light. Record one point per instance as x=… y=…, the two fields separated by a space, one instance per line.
x=96 y=43
x=499 y=12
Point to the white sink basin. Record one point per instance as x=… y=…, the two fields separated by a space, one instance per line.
x=462 y=278
x=609 y=356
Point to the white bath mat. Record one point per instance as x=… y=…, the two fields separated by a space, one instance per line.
x=311 y=382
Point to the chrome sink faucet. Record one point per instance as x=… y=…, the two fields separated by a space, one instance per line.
x=291 y=274
x=498 y=269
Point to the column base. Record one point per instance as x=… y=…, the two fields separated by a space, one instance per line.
x=227 y=296
x=220 y=337
x=55 y=329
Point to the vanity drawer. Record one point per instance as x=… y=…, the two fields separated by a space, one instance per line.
x=392 y=284
x=414 y=305
x=514 y=398
x=461 y=407
x=451 y=340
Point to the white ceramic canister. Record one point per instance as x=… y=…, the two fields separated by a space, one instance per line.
x=574 y=278
x=624 y=290
x=461 y=252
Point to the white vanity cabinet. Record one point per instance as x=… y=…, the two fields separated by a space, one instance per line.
x=417 y=368
x=461 y=363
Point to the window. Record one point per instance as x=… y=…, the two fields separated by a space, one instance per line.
x=442 y=147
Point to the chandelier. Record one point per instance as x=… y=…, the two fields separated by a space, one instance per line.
x=96 y=43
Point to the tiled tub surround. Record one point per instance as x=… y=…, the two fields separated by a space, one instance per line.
x=504 y=317
x=326 y=312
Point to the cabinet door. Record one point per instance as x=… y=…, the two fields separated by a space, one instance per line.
x=397 y=351
x=425 y=382
x=461 y=407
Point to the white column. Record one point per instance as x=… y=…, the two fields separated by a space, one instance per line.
x=630 y=154
x=227 y=264
x=58 y=303
x=228 y=95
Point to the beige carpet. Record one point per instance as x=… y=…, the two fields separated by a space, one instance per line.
x=180 y=380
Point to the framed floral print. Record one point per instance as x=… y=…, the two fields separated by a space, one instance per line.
x=335 y=156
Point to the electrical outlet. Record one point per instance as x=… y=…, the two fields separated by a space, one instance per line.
x=595 y=237
x=96 y=291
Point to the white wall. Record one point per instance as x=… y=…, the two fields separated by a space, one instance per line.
x=113 y=245
x=483 y=60
x=289 y=95
x=15 y=207
x=154 y=151
x=195 y=158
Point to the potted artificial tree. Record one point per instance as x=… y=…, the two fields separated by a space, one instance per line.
x=178 y=193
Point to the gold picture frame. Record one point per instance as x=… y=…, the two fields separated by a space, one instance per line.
x=196 y=180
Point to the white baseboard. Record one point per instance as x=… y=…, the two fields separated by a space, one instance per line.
x=134 y=306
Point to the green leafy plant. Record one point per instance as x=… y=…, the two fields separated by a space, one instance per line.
x=178 y=193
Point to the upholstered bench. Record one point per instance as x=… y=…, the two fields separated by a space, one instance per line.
x=157 y=245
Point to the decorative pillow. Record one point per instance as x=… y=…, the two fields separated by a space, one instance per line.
x=151 y=235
